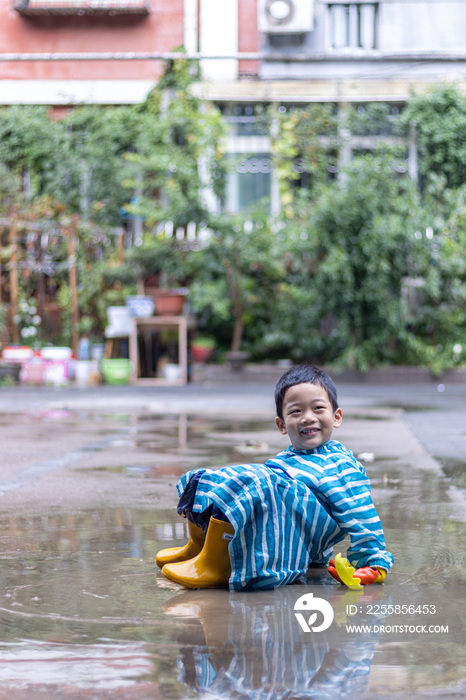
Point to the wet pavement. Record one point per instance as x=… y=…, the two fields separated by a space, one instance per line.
x=87 y=487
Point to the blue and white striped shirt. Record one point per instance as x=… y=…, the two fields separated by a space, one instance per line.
x=290 y=511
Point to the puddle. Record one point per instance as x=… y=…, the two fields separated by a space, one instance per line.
x=82 y=606
x=248 y=645
x=455 y=470
x=176 y=444
x=218 y=441
x=84 y=609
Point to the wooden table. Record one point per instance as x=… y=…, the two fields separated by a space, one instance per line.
x=159 y=323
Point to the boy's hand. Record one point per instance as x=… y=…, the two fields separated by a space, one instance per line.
x=366 y=574
x=370 y=574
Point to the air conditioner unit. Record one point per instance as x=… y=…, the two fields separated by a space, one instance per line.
x=285 y=16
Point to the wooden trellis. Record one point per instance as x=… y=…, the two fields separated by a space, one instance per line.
x=18 y=231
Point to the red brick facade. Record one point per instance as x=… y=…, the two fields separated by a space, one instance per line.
x=248 y=37
x=160 y=30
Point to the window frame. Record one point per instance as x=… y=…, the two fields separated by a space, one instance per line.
x=353 y=29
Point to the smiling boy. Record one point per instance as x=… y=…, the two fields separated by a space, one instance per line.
x=266 y=523
x=308 y=416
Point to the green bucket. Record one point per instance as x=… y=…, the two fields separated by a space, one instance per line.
x=116 y=371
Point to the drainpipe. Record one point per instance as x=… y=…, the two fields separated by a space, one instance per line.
x=412 y=153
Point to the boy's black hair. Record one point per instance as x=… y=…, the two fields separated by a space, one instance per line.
x=304 y=374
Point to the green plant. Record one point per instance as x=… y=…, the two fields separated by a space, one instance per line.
x=439 y=323
x=3 y=313
x=347 y=255
x=375 y=118
x=297 y=139
x=165 y=258
x=96 y=159
x=28 y=320
x=233 y=280
x=163 y=165
x=203 y=342
x=202 y=348
x=440 y=122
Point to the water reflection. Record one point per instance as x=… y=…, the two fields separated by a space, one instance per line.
x=190 y=432
x=95 y=666
x=177 y=443
x=81 y=604
x=250 y=645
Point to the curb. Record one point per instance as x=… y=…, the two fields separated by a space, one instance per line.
x=270 y=373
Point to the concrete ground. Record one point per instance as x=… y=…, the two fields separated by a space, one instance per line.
x=87 y=487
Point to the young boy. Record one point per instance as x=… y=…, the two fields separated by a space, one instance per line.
x=266 y=523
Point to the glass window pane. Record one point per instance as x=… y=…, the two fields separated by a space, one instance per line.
x=248 y=183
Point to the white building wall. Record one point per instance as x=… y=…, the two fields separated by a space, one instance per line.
x=74 y=92
x=219 y=37
x=190 y=26
x=407 y=27
x=358 y=51
x=422 y=26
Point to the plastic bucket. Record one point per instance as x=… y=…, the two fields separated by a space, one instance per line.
x=116 y=371
x=55 y=352
x=82 y=372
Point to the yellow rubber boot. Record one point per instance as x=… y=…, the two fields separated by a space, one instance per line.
x=211 y=567
x=188 y=551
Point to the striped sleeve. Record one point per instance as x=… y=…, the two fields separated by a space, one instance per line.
x=347 y=491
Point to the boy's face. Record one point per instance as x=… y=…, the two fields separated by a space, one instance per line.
x=308 y=416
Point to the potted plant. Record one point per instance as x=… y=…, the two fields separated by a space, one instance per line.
x=169 y=302
x=202 y=348
x=160 y=268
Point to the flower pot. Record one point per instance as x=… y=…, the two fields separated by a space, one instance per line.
x=171 y=372
x=57 y=372
x=169 y=302
x=10 y=370
x=116 y=371
x=201 y=353
x=83 y=371
x=140 y=306
x=33 y=371
x=237 y=359
x=17 y=353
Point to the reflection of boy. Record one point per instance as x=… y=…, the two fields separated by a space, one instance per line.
x=286 y=514
x=221 y=650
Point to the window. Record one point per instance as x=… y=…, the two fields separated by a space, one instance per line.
x=248 y=183
x=245 y=119
x=353 y=25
